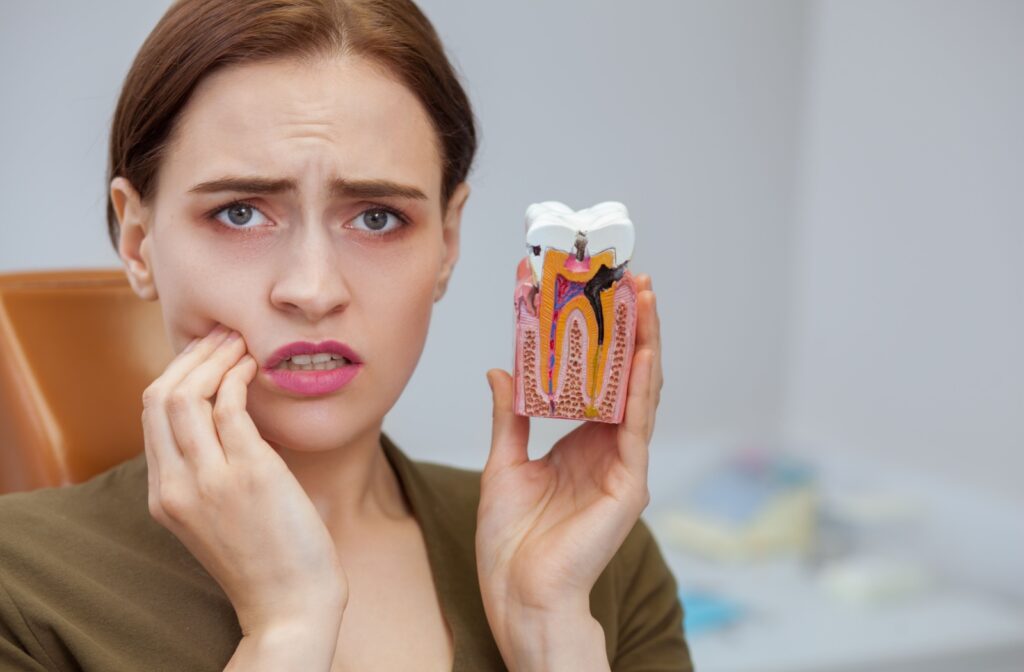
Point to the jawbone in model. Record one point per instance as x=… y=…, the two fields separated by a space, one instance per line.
x=575 y=306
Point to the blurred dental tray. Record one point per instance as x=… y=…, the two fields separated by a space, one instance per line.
x=749 y=506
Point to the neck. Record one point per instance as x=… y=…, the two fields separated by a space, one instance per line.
x=352 y=486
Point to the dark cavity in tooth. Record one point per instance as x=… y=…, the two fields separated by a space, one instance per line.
x=602 y=280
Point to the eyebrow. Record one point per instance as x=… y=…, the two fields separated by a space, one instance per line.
x=339 y=187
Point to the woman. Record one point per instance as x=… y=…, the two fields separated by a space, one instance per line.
x=288 y=179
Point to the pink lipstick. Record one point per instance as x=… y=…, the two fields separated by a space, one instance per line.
x=309 y=371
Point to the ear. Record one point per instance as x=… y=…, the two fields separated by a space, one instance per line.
x=450 y=231
x=133 y=244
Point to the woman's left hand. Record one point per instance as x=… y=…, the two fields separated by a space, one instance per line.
x=547 y=528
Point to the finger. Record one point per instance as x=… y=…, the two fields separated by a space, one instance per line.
x=190 y=409
x=164 y=459
x=657 y=379
x=194 y=354
x=633 y=433
x=163 y=455
x=236 y=430
x=156 y=431
x=510 y=433
x=649 y=336
x=647 y=328
x=635 y=430
x=643 y=281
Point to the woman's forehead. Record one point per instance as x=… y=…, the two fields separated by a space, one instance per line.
x=341 y=116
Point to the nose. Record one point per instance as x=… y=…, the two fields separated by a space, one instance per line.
x=311 y=282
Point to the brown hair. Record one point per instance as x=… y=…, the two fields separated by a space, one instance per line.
x=196 y=37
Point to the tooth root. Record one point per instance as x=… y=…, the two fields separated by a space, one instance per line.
x=573 y=353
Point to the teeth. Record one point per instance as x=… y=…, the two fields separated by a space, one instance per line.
x=321 y=361
x=554 y=226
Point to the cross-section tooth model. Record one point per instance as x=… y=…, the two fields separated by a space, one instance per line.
x=575 y=306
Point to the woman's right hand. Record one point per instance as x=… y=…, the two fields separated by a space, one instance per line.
x=229 y=497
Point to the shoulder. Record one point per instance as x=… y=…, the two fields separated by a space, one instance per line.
x=636 y=568
x=52 y=534
x=639 y=544
x=46 y=515
x=55 y=541
x=87 y=576
x=637 y=598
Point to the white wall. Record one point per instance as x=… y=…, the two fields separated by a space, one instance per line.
x=63 y=63
x=908 y=337
x=828 y=197
x=687 y=112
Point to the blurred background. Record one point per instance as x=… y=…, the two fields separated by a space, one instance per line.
x=829 y=197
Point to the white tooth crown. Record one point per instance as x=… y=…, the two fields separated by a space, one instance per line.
x=552 y=225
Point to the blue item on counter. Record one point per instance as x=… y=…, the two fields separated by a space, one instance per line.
x=704 y=611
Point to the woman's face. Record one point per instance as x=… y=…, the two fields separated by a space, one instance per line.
x=324 y=156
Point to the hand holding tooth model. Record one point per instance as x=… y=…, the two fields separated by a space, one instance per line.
x=588 y=346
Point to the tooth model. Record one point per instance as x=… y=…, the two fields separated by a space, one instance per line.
x=575 y=307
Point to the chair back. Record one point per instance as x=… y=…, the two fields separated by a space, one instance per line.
x=77 y=348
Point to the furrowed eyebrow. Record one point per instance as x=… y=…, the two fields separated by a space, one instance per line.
x=339 y=188
x=374 y=189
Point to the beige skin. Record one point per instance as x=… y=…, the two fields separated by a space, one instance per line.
x=288 y=501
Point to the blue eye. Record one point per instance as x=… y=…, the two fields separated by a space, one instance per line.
x=380 y=220
x=239 y=215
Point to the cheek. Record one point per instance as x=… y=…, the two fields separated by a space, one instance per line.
x=399 y=312
x=196 y=291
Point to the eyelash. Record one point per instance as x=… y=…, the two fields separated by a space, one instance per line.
x=401 y=215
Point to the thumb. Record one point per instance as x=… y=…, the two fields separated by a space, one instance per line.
x=510 y=433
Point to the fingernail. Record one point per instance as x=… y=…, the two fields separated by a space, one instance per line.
x=191 y=344
x=233 y=335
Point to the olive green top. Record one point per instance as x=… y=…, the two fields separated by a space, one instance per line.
x=89 y=581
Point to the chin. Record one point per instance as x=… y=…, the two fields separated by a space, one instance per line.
x=312 y=425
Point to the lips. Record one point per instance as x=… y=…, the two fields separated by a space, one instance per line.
x=307 y=348
x=312 y=382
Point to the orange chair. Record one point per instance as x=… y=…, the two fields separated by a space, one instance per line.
x=77 y=348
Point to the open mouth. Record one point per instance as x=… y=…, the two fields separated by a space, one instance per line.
x=311 y=369
x=318 y=362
